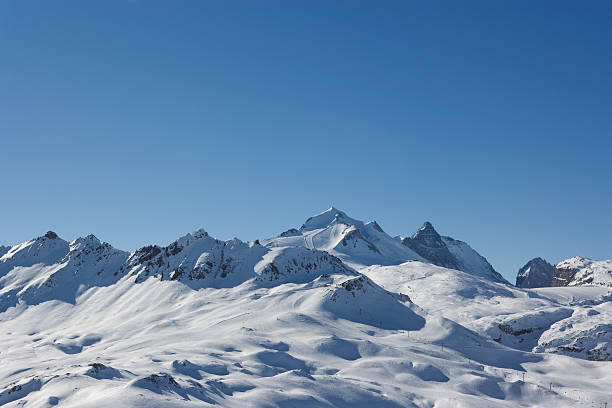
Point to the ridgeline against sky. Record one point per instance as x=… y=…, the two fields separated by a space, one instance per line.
x=142 y=120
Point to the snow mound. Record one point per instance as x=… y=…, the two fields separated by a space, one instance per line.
x=360 y=300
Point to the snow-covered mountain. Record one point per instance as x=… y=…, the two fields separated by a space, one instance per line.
x=574 y=271
x=49 y=268
x=46 y=249
x=365 y=243
x=583 y=271
x=536 y=273
x=334 y=314
x=450 y=253
x=357 y=242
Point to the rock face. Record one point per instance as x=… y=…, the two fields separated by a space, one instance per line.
x=450 y=253
x=428 y=243
x=537 y=273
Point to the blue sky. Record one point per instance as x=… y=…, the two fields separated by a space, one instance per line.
x=140 y=121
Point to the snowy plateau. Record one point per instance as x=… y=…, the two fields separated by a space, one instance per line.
x=336 y=313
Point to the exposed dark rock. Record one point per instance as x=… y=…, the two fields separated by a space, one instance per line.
x=50 y=235
x=537 y=273
x=428 y=243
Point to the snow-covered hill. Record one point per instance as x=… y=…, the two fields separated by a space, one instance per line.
x=335 y=314
x=527 y=320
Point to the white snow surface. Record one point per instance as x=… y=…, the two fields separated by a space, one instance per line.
x=204 y=322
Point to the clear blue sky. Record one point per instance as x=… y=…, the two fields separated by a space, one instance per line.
x=140 y=121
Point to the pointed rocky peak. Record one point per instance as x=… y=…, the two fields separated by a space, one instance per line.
x=428 y=236
x=326 y=218
x=187 y=240
x=83 y=246
x=48 y=249
x=89 y=241
x=50 y=235
x=536 y=273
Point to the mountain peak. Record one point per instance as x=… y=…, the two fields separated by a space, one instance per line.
x=427 y=227
x=50 y=235
x=428 y=236
x=535 y=273
x=88 y=241
x=325 y=218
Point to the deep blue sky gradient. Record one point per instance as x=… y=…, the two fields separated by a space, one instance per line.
x=140 y=121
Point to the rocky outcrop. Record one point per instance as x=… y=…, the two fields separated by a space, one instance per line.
x=536 y=273
x=450 y=253
x=428 y=243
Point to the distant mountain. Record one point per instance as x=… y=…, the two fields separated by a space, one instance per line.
x=450 y=253
x=578 y=271
x=537 y=273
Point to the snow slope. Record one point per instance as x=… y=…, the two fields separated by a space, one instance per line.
x=335 y=340
x=308 y=319
x=529 y=320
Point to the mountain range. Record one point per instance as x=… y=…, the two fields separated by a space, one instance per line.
x=333 y=313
